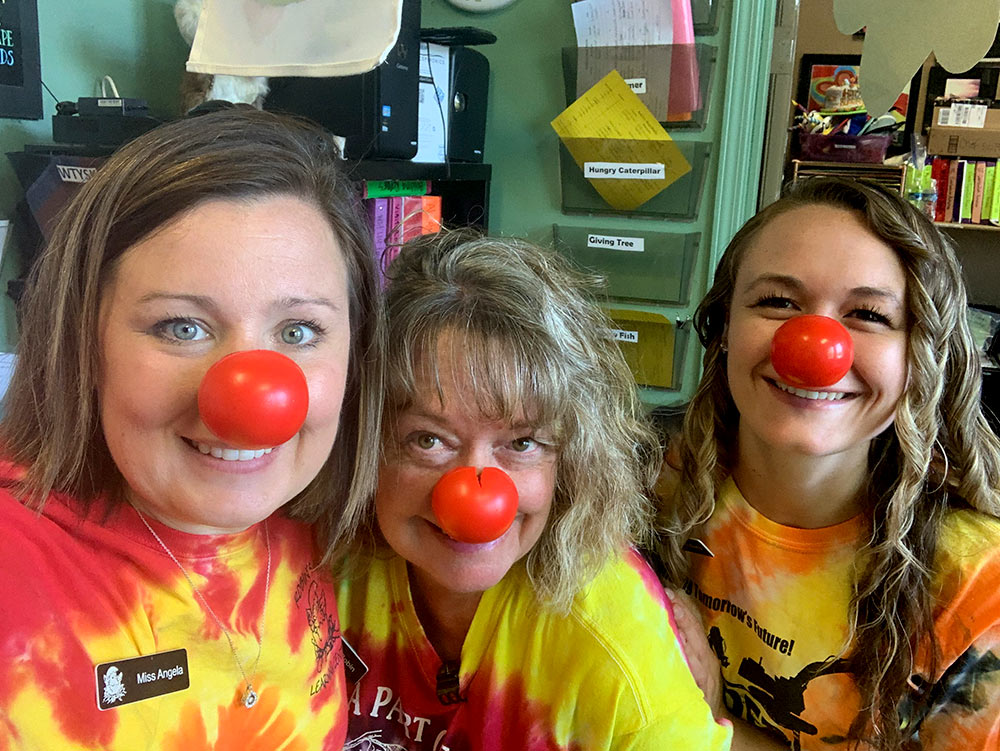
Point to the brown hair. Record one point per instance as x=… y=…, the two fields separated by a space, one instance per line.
x=939 y=454
x=533 y=341
x=51 y=425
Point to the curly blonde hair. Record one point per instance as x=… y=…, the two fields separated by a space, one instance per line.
x=939 y=454
x=534 y=344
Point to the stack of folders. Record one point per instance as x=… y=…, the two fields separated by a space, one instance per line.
x=396 y=219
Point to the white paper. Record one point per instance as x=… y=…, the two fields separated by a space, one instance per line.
x=432 y=103
x=613 y=242
x=622 y=23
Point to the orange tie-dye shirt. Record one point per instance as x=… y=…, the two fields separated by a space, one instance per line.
x=609 y=674
x=78 y=591
x=775 y=601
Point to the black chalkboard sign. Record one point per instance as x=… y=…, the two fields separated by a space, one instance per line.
x=20 y=72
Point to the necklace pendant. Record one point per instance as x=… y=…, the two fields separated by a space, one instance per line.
x=249 y=697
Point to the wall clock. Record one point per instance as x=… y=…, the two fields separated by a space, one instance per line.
x=480 y=6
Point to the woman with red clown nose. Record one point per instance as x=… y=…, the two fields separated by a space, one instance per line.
x=503 y=605
x=842 y=482
x=191 y=421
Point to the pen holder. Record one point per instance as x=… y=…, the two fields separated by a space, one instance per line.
x=840 y=147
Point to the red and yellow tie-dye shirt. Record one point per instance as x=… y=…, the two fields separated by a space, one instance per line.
x=78 y=592
x=610 y=674
x=775 y=600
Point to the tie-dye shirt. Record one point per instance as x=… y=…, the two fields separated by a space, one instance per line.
x=77 y=593
x=610 y=674
x=775 y=600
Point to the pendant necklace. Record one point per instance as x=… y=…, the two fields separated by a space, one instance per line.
x=249 y=697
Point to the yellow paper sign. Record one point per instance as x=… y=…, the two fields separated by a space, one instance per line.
x=623 y=151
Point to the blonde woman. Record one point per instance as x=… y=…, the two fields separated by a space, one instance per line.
x=841 y=538
x=550 y=632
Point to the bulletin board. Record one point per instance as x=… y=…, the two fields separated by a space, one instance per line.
x=20 y=69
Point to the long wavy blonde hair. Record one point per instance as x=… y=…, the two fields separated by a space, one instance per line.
x=534 y=341
x=939 y=454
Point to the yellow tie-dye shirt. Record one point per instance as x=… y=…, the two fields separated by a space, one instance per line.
x=609 y=674
x=79 y=591
x=775 y=601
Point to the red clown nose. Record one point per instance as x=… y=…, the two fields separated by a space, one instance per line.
x=254 y=400
x=474 y=509
x=811 y=351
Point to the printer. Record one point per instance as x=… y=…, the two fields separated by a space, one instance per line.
x=379 y=113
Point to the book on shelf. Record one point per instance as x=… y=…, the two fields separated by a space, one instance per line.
x=993 y=217
x=389 y=188
x=395 y=234
x=989 y=178
x=939 y=173
x=979 y=183
x=966 y=190
x=949 y=206
x=378 y=214
x=396 y=219
x=421 y=215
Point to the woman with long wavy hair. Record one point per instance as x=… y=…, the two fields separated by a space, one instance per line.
x=842 y=540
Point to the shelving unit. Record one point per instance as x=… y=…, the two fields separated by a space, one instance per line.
x=890 y=176
x=464 y=187
x=958 y=225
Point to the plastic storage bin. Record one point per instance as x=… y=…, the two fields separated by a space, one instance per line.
x=840 y=147
x=639 y=264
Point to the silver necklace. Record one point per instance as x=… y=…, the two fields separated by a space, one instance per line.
x=249 y=697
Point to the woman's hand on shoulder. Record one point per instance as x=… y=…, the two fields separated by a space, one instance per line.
x=701 y=660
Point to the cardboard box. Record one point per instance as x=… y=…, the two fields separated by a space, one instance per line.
x=955 y=141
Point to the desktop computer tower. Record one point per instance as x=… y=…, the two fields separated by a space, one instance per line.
x=375 y=112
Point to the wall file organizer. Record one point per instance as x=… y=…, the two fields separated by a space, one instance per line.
x=705 y=14
x=638 y=264
x=672 y=80
x=680 y=200
x=653 y=346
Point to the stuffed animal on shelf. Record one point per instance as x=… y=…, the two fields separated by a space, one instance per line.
x=197 y=88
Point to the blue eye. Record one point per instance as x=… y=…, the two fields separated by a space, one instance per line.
x=184 y=330
x=180 y=330
x=300 y=332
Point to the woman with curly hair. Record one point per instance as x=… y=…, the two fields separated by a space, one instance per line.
x=540 y=634
x=841 y=539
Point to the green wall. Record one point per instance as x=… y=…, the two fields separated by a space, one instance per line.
x=137 y=43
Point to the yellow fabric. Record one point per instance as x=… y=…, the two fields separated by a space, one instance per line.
x=609 y=675
x=77 y=592
x=775 y=600
x=315 y=38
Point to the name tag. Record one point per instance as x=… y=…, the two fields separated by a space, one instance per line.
x=136 y=678
x=354 y=666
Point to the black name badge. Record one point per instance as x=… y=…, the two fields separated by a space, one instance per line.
x=136 y=678
x=354 y=666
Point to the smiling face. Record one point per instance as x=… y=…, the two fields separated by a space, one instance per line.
x=848 y=274
x=226 y=276
x=431 y=437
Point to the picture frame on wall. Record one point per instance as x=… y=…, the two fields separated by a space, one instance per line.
x=20 y=66
x=817 y=71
